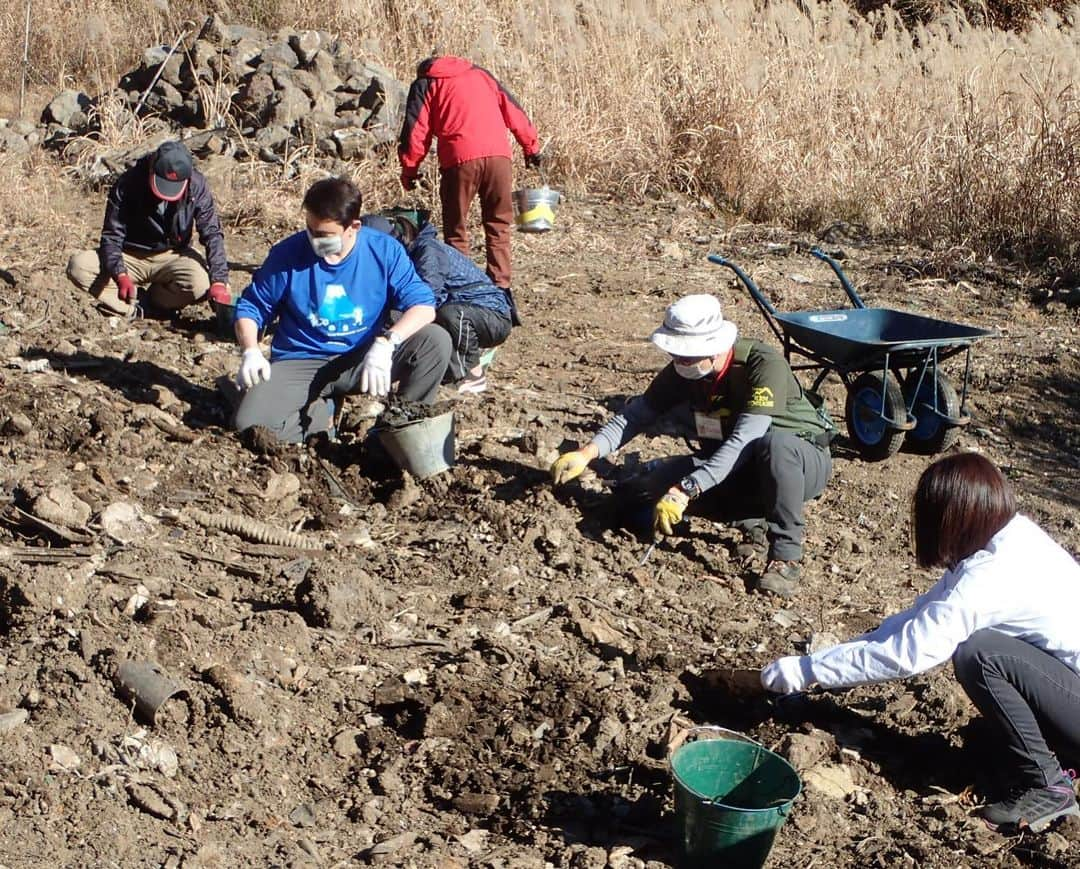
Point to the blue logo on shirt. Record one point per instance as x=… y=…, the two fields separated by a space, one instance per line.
x=338 y=314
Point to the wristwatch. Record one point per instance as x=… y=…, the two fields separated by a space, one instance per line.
x=393 y=337
x=689 y=487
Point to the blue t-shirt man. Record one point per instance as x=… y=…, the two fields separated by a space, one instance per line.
x=331 y=289
x=326 y=309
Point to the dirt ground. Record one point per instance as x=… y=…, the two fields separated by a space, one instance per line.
x=474 y=670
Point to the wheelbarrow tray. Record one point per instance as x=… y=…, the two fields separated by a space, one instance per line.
x=848 y=337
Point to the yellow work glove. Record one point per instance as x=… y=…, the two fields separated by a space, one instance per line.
x=568 y=467
x=668 y=512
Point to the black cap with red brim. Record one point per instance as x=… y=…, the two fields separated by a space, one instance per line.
x=171 y=171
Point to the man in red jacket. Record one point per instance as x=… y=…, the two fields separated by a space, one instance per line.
x=469 y=112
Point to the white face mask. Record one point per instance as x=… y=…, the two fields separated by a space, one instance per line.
x=325 y=245
x=694 y=372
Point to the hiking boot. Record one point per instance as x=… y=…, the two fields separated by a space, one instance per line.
x=780 y=578
x=472 y=384
x=754 y=544
x=1032 y=808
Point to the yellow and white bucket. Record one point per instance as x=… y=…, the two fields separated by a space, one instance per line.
x=534 y=208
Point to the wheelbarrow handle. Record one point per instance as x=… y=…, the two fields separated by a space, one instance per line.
x=845 y=282
x=768 y=310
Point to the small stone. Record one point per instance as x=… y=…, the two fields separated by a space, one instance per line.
x=305 y=44
x=309 y=848
x=150 y=801
x=832 y=780
x=671 y=250
x=822 y=640
x=344 y=742
x=11 y=720
x=279 y=54
x=59 y=505
x=476 y=804
x=63 y=759
x=69 y=108
x=18 y=424
x=303 y=815
x=805 y=750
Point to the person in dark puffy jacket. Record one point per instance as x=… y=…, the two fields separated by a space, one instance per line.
x=475 y=312
x=146 y=238
x=468 y=111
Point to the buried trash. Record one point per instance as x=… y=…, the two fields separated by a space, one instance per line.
x=145 y=684
x=139 y=751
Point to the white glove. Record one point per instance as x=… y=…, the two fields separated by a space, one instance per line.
x=375 y=369
x=784 y=675
x=253 y=369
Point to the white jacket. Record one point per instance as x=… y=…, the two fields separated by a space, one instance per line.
x=1023 y=584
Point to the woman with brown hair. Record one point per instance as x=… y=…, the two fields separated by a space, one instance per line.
x=1006 y=611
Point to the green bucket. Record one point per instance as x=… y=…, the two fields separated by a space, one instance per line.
x=731 y=798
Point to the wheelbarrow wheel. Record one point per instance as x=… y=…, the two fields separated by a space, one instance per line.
x=873 y=436
x=932 y=434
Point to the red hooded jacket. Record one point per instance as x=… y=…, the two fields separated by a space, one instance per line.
x=466 y=109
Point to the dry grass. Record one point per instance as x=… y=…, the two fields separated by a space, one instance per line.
x=946 y=133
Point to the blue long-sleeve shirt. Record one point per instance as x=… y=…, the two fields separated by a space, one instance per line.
x=325 y=310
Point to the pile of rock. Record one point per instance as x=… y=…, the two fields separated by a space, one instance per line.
x=270 y=93
x=18 y=137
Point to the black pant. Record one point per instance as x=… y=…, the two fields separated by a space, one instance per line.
x=1029 y=694
x=471 y=328
x=780 y=474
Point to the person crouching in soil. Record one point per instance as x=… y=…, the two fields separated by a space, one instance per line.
x=476 y=313
x=764 y=446
x=146 y=240
x=331 y=289
x=1005 y=613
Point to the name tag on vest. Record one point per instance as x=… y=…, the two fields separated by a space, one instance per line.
x=710 y=427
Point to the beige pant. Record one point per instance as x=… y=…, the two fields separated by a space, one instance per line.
x=175 y=278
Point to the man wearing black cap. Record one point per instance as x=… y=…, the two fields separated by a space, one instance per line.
x=146 y=238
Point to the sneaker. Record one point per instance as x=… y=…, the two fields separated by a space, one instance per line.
x=1032 y=808
x=754 y=544
x=780 y=578
x=472 y=383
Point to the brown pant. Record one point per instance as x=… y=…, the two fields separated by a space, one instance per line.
x=491 y=178
x=175 y=278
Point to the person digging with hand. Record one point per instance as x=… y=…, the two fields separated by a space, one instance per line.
x=474 y=312
x=151 y=212
x=763 y=444
x=331 y=289
x=1005 y=614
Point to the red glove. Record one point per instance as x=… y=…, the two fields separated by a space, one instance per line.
x=408 y=180
x=220 y=293
x=125 y=287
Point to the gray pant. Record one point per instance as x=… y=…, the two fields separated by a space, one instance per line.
x=1029 y=695
x=292 y=403
x=781 y=473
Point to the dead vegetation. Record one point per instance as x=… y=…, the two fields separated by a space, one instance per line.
x=926 y=127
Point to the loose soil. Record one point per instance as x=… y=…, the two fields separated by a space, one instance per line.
x=472 y=670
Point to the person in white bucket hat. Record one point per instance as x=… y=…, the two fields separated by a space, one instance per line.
x=764 y=443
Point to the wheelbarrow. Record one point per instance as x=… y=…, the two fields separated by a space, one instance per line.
x=890 y=362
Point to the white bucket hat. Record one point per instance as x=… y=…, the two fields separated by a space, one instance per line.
x=695 y=327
